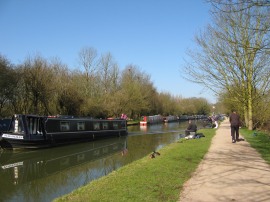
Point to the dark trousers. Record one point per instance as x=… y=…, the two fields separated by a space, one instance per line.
x=235 y=132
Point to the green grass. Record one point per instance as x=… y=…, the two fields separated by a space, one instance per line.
x=157 y=179
x=258 y=140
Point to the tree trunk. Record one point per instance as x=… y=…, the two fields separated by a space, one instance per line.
x=250 y=121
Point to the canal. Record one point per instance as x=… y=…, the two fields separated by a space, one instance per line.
x=43 y=175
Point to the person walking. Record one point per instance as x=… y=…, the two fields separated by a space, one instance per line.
x=235 y=124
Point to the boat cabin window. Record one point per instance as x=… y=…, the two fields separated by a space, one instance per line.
x=96 y=126
x=123 y=124
x=64 y=126
x=115 y=125
x=34 y=125
x=81 y=126
x=105 y=125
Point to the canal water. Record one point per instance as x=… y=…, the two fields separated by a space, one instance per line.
x=43 y=175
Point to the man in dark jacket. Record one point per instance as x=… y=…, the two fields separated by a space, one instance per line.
x=235 y=123
x=192 y=127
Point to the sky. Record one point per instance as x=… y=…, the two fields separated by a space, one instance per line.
x=153 y=35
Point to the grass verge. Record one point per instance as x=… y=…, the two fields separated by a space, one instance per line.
x=157 y=179
x=259 y=141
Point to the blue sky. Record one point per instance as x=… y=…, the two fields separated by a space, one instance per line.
x=154 y=35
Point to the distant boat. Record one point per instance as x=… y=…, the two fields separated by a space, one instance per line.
x=31 y=131
x=151 y=120
x=170 y=118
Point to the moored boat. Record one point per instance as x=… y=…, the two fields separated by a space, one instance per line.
x=151 y=120
x=170 y=118
x=31 y=131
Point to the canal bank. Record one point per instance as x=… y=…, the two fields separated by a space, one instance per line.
x=149 y=179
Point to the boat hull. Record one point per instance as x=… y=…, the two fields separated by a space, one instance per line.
x=57 y=140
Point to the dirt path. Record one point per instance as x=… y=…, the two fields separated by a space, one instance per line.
x=229 y=172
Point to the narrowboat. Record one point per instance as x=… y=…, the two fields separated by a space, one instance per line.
x=170 y=118
x=33 y=132
x=151 y=120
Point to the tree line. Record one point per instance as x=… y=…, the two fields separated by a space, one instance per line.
x=97 y=89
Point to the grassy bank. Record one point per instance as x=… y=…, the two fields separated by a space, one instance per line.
x=258 y=140
x=157 y=179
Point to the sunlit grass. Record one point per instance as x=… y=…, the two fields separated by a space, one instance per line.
x=157 y=179
x=258 y=140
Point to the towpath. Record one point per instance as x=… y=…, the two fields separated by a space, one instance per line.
x=229 y=172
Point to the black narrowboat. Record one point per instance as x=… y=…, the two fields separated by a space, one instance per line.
x=32 y=131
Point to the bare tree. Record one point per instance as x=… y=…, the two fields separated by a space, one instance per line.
x=219 y=4
x=108 y=73
x=108 y=78
x=87 y=58
x=8 y=82
x=232 y=56
x=137 y=92
x=38 y=83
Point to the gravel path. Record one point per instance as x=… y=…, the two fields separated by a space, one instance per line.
x=229 y=172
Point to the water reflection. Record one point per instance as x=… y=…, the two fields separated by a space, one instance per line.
x=20 y=168
x=49 y=173
x=159 y=128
